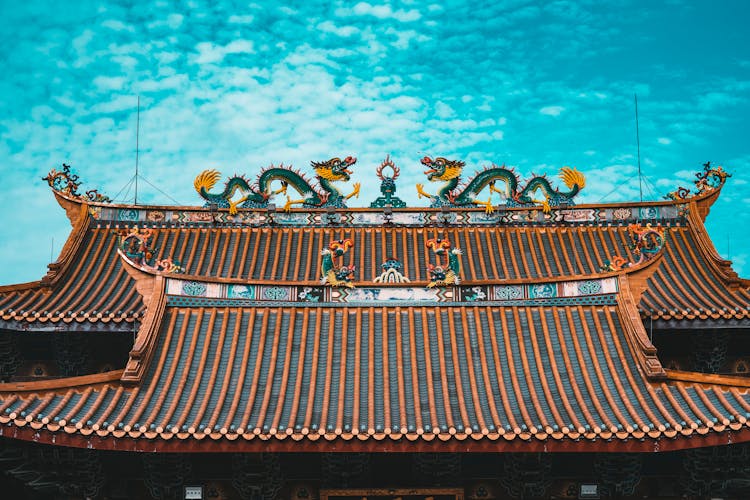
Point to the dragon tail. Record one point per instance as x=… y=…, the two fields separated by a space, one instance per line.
x=205 y=181
x=572 y=177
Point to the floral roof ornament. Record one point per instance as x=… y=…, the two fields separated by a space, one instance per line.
x=137 y=245
x=709 y=179
x=645 y=243
x=391 y=272
x=66 y=182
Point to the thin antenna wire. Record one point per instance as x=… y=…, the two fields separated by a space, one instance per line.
x=616 y=188
x=638 y=143
x=52 y=249
x=137 y=146
x=162 y=192
x=124 y=188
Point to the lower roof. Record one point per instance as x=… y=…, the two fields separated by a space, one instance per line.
x=386 y=378
x=686 y=287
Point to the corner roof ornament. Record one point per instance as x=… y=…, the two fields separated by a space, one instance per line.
x=709 y=180
x=67 y=183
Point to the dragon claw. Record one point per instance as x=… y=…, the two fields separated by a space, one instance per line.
x=488 y=208
x=546 y=207
x=355 y=193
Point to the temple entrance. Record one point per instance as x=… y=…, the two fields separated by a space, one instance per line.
x=394 y=494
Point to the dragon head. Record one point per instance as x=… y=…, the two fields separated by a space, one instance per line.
x=438 y=245
x=340 y=247
x=442 y=169
x=345 y=273
x=437 y=273
x=335 y=169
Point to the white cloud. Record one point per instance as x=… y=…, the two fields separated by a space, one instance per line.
x=405 y=37
x=664 y=140
x=116 y=25
x=110 y=82
x=442 y=110
x=244 y=19
x=379 y=11
x=552 y=110
x=343 y=31
x=174 y=21
x=209 y=53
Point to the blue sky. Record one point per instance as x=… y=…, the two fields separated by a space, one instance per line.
x=238 y=86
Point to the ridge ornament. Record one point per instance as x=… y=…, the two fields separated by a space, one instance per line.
x=451 y=194
x=332 y=275
x=645 y=242
x=388 y=186
x=448 y=274
x=258 y=195
x=66 y=182
x=710 y=179
x=137 y=245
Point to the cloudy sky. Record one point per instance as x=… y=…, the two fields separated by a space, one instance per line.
x=238 y=86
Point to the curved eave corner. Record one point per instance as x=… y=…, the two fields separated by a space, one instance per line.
x=721 y=267
x=152 y=289
x=632 y=286
x=702 y=203
x=77 y=213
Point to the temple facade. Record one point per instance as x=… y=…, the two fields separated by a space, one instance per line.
x=502 y=342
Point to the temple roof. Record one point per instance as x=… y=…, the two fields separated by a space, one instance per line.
x=517 y=328
x=249 y=372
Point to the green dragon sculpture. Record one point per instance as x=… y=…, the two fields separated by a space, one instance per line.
x=448 y=274
x=332 y=275
x=452 y=195
x=260 y=194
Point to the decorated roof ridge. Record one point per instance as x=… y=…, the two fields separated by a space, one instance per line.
x=646 y=245
x=708 y=378
x=324 y=195
x=405 y=208
x=239 y=193
x=465 y=405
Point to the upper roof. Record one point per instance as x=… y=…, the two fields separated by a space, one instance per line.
x=86 y=287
